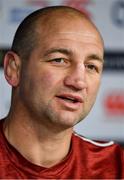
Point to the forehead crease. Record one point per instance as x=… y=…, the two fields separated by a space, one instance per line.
x=59 y=50
x=67 y=42
x=71 y=34
x=62 y=37
x=86 y=36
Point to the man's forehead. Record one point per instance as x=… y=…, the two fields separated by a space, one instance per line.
x=56 y=19
x=68 y=41
x=74 y=36
x=63 y=27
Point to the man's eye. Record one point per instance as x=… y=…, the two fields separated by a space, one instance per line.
x=58 y=60
x=91 y=67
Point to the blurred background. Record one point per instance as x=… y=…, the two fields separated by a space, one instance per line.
x=106 y=120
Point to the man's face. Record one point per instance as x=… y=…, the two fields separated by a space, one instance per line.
x=62 y=76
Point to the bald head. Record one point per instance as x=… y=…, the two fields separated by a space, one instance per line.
x=44 y=21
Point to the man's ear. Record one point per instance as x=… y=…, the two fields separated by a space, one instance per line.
x=12 y=67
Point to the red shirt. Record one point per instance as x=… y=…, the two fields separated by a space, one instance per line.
x=86 y=160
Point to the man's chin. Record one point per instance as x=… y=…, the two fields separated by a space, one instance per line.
x=69 y=123
x=62 y=118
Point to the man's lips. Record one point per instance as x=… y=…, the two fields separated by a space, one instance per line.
x=70 y=101
x=70 y=98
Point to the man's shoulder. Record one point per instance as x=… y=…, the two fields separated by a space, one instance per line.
x=104 y=152
x=106 y=159
x=97 y=145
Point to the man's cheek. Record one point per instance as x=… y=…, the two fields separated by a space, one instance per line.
x=47 y=80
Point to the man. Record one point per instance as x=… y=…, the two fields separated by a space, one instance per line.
x=54 y=67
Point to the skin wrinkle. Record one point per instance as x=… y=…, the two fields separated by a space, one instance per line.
x=80 y=33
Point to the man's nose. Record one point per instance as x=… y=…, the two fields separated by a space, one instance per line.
x=76 y=78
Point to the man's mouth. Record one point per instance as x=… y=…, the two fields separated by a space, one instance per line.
x=70 y=100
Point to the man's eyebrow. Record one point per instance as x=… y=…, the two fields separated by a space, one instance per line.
x=60 y=50
x=69 y=52
x=96 y=57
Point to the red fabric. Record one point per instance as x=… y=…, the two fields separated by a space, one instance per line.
x=85 y=161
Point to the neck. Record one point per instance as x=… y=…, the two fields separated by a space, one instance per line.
x=36 y=142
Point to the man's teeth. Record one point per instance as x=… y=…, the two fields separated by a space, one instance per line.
x=69 y=99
